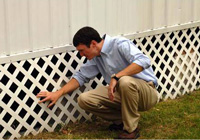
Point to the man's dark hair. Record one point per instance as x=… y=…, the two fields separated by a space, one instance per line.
x=85 y=35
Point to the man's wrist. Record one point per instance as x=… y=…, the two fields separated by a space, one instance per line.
x=115 y=77
x=60 y=92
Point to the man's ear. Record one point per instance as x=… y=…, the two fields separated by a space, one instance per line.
x=93 y=43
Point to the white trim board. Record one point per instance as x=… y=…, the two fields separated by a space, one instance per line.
x=162 y=30
x=35 y=54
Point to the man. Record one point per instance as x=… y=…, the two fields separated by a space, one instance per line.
x=127 y=71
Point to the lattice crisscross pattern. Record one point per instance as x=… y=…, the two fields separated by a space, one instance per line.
x=20 y=112
x=175 y=58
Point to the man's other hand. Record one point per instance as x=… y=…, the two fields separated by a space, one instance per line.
x=111 y=89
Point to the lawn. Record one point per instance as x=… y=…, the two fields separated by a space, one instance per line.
x=171 y=119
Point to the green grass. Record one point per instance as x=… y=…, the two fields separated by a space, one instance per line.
x=171 y=119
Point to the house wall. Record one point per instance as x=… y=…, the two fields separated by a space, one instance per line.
x=29 y=26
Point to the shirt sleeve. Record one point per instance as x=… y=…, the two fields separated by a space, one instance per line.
x=133 y=55
x=87 y=71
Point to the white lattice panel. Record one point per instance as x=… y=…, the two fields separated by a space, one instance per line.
x=175 y=58
x=20 y=112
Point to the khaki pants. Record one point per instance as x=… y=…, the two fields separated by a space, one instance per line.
x=132 y=95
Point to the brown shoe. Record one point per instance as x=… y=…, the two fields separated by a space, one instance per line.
x=126 y=135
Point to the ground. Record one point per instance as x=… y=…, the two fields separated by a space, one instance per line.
x=171 y=119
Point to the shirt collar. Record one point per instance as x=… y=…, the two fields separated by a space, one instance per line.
x=105 y=47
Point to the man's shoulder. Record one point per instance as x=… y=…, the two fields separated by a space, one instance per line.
x=117 y=40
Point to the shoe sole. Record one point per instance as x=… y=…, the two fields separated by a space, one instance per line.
x=137 y=136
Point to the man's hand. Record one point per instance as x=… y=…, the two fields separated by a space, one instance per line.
x=49 y=96
x=111 y=89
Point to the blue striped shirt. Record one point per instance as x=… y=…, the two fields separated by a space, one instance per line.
x=116 y=54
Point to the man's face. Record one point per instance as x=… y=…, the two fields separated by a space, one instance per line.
x=89 y=53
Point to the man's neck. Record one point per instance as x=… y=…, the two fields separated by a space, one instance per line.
x=101 y=44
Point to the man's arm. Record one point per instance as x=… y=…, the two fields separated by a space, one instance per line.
x=128 y=71
x=54 y=96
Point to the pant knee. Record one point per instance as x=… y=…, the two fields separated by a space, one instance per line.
x=127 y=82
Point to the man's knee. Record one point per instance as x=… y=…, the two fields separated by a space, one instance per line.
x=126 y=82
x=127 y=86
